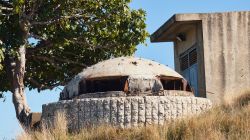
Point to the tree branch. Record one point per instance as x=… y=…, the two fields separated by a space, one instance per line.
x=42 y=86
x=37 y=84
x=50 y=60
x=37 y=36
x=42 y=45
x=57 y=84
x=54 y=59
x=83 y=41
x=6 y=4
x=34 y=8
x=69 y=61
x=6 y=8
x=6 y=11
x=58 y=6
x=58 y=19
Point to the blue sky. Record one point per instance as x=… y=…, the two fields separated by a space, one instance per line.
x=158 y=11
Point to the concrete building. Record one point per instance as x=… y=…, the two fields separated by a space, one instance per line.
x=211 y=50
x=125 y=92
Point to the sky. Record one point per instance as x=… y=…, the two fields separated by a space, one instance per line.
x=158 y=12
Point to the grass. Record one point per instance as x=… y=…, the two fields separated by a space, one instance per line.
x=231 y=120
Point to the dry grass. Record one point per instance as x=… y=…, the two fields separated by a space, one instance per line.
x=232 y=99
x=227 y=121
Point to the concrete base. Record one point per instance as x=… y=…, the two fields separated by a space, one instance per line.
x=124 y=111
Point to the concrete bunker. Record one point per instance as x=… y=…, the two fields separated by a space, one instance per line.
x=125 y=92
x=103 y=80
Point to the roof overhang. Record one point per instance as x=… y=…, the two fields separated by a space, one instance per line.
x=178 y=23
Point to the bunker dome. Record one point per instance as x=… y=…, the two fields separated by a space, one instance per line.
x=125 y=92
x=126 y=76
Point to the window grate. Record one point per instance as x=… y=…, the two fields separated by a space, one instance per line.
x=192 y=57
x=184 y=62
x=188 y=59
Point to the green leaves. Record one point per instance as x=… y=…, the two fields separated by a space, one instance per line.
x=70 y=35
x=17 y=6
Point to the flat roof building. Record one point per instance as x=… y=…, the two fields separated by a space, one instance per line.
x=211 y=50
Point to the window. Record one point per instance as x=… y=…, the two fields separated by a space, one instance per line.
x=171 y=83
x=188 y=59
x=103 y=84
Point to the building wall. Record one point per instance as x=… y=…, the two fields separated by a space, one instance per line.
x=224 y=55
x=124 y=111
x=226 y=38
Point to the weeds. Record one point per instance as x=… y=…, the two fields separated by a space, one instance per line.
x=227 y=121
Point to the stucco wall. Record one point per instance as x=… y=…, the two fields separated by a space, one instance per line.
x=191 y=39
x=124 y=111
x=226 y=38
x=224 y=43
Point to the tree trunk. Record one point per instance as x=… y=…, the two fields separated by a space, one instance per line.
x=16 y=68
x=19 y=97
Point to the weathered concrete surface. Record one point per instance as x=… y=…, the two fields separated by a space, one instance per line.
x=142 y=75
x=124 y=111
x=123 y=94
x=226 y=53
x=223 y=44
x=128 y=66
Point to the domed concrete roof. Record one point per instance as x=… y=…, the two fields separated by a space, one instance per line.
x=124 y=74
x=128 y=66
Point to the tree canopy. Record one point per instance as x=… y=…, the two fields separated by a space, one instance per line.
x=66 y=36
x=44 y=43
